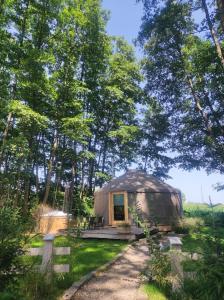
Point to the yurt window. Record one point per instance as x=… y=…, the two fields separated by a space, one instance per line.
x=119 y=212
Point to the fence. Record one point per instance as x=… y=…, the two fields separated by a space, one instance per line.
x=47 y=252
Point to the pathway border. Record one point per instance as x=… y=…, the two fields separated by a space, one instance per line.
x=69 y=293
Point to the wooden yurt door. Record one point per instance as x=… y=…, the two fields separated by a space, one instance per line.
x=118 y=208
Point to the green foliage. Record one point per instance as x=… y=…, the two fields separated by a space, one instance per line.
x=188 y=224
x=184 y=72
x=35 y=286
x=208 y=241
x=26 y=115
x=12 y=241
x=211 y=214
x=207 y=283
x=159 y=269
x=205 y=237
x=154 y=134
x=83 y=206
x=69 y=104
x=191 y=265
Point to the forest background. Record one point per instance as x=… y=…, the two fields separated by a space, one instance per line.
x=73 y=107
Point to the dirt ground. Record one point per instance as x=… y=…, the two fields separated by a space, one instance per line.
x=121 y=281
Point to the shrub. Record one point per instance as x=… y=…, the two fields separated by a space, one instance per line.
x=189 y=224
x=208 y=282
x=6 y=295
x=159 y=270
x=12 y=241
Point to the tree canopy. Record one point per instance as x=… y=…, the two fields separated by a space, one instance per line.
x=70 y=98
x=183 y=67
x=72 y=107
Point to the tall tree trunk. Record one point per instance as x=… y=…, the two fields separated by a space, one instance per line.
x=71 y=187
x=198 y=105
x=104 y=154
x=26 y=193
x=29 y=171
x=5 y=135
x=213 y=33
x=18 y=191
x=82 y=183
x=37 y=178
x=59 y=172
x=50 y=167
x=92 y=163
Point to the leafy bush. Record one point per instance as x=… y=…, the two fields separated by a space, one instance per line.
x=12 y=241
x=82 y=206
x=6 y=295
x=159 y=270
x=188 y=224
x=208 y=282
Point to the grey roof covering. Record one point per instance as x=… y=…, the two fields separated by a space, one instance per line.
x=137 y=181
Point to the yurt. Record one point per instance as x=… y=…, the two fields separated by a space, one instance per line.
x=155 y=200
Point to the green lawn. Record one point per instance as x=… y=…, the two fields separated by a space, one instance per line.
x=153 y=292
x=86 y=256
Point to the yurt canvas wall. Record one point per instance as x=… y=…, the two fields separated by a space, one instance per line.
x=152 y=198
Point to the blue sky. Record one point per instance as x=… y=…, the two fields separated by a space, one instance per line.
x=125 y=20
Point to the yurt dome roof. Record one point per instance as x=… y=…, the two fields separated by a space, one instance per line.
x=137 y=181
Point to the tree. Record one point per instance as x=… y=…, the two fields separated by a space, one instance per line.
x=153 y=141
x=70 y=94
x=184 y=72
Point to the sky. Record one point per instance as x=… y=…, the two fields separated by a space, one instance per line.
x=125 y=20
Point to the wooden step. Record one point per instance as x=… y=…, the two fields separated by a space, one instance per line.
x=94 y=235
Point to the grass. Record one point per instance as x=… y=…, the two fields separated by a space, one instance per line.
x=153 y=292
x=202 y=236
x=191 y=265
x=192 y=207
x=86 y=256
x=200 y=240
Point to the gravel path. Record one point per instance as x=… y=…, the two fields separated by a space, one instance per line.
x=121 y=281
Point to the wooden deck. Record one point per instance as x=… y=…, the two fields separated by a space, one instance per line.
x=111 y=233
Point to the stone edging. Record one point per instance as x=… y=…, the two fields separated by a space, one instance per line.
x=69 y=293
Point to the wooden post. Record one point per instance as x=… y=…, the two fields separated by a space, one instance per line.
x=47 y=252
x=46 y=266
x=176 y=259
x=176 y=269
